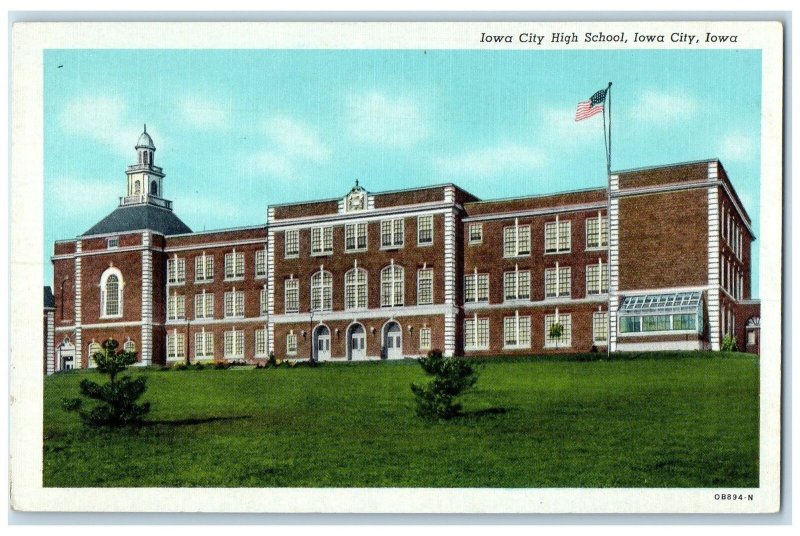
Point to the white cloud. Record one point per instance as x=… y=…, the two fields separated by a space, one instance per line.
x=738 y=147
x=203 y=113
x=379 y=119
x=663 y=107
x=100 y=119
x=296 y=139
x=484 y=162
x=70 y=194
x=271 y=163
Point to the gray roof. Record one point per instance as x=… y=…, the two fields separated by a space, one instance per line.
x=49 y=299
x=136 y=217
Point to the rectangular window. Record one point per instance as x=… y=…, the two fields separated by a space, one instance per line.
x=176 y=307
x=176 y=271
x=234 y=265
x=204 y=345
x=355 y=237
x=425 y=338
x=596 y=279
x=517 y=331
x=517 y=285
x=176 y=347
x=291 y=343
x=263 y=302
x=261 y=343
x=564 y=338
x=203 y=268
x=557 y=282
x=321 y=240
x=596 y=233
x=392 y=233
x=112 y=242
x=203 y=305
x=234 y=344
x=600 y=327
x=425 y=286
x=424 y=230
x=261 y=263
x=517 y=240
x=292 y=243
x=557 y=237
x=291 y=291
x=234 y=304
x=476 y=334
x=476 y=288
x=476 y=233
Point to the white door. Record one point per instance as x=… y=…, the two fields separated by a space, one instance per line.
x=357 y=343
x=393 y=341
x=66 y=356
x=322 y=343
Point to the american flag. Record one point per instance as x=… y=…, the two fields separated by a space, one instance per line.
x=594 y=105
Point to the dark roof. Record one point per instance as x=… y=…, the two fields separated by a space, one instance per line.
x=49 y=299
x=136 y=217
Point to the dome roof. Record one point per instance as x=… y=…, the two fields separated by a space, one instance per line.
x=145 y=141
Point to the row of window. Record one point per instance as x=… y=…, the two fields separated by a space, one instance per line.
x=731 y=277
x=234 y=267
x=732 y=232
x=557 y=236
x=233 y=305
x=517 y=284
x=96 y=348
x=517 y=331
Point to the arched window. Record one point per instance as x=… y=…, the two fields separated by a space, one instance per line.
x=94 y=348
x=355 y=289
x=129 y=346
x=392 y=285
x=111 y=293
x=154 y=188
x=322 y=291
x=137 y=188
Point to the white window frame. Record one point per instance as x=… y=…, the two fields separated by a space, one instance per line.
x=260 y=342
x=263 y=302
x=521 y=246
x=176 y=307
x=517 y=285
x=559 y=247
x=176 y=271
x=176 y=346
x=129 y=346
x=394 y=276
x=234 y=266
x=260 y=261
x=203 y=268
x=321 y=281
x=396 y=233
x=601 y=234
x=233 y=304
x=478 y=227
x=599 y=317
x=291 y=343
x=291 y=285
x=204 y=304
x=233 y=344
x=425 y=277
x=291 y=237
x=321 y=241
x=557 y=273
x=566 y=338
x=355 y=229
x=602 y=278
x=112 y=242
x=353 y=291
x=104 y=303
x=428 y=219
x=520 y=334
x=476 y=322
x=425 y=338
x=203 y=345
x=473 y=281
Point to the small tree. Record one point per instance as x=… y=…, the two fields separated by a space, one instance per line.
x=451 y=377
x=118 y=397
x=556 y=331
x=729 y=344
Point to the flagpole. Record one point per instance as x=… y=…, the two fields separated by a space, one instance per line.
x=608 y=215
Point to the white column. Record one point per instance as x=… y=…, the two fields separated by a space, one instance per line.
x=713 y=260
x=78 y=300
x=147 y=302
x=50 y=349
x=450 y=282
x=271 y=282
x=613 y=263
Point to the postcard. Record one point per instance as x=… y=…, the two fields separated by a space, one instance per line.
x=404 y=267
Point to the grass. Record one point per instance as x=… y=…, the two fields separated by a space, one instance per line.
x=685 y=420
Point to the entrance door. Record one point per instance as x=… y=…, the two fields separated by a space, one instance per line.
x=322 y=343
x=66 y=356
x=356 y=342
x=393 y=340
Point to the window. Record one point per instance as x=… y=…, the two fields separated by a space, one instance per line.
x=204 y=345
x=517 y=331
x=600 y=327
x=425 y=338
x=355 y=237
x=176 y=307
x=681 y=311
x=234 y=304
x=321 y=240
x=111 y=293
x=565 y=340
x=476 y=334
x=751 y=338
x=557 y=237
x=203 y=268
x=392 y=233
x=596 y=279
x=176 y=346
x=322 y=291
x=597 y=233
x=94 y=348
x=112 y=242
x=392 y=286
x=129 y=346
x=291 y=343
x=176 y=271
x=476 y=288
x=234 y=344
x=557 y=282
x=516 y=240
x=291 y=291
x=517 y=285
x=355 y=289
x=203 y=305
x=476 y=233
x=261 y=263
x=292 y=244
x=424 y=230
x=263 y=302
x=425 y=286
x=261 y=342
x=234 y=265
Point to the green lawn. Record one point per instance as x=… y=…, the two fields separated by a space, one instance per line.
x=654 y=421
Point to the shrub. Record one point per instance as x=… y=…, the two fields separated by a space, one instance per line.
x=451 y=377
x=117 y=398
x=180 y=365
x=729 y=344
x=221 y=364
x=271 y=361
x=199 y=366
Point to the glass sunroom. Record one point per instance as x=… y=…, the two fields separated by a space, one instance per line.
x=662 y=313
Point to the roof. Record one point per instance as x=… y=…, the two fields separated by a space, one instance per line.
x=135 y=217
x=668 y=303
x=49 y=299
x=145 y=141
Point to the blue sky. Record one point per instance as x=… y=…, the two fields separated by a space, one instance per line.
x=238 y=130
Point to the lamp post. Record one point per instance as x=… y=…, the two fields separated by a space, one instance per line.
x=311 y=337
